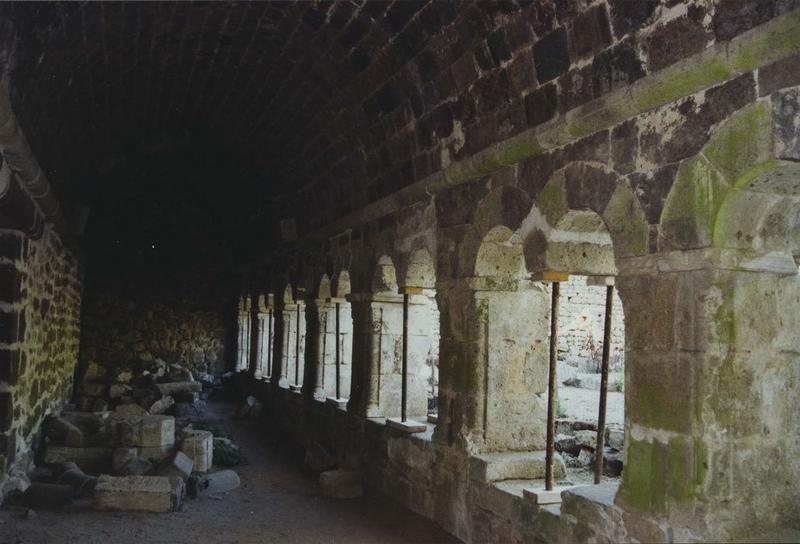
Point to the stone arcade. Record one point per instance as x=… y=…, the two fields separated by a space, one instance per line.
x=527 y=268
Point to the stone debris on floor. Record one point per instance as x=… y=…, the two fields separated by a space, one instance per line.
x=130 y=458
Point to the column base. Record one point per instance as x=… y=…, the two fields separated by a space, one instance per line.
x=539 y=496
x=296 y=388
x=408 y=426
x=433 y=418
x=341 y=404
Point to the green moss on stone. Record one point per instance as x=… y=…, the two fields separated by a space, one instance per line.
x=552 y=200
x=743 y=141
x=680 y=80
x=626 y=222
x=775 y=40
x=644 y=479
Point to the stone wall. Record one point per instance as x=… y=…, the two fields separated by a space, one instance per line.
x=581 y=321
x=40 y=322
x=123 y=335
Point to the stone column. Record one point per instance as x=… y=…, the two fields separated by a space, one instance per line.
x=493 y=363
x=294 y=361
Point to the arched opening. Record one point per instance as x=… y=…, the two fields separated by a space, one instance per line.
x=335 y=340
x=580 y=247
x=423 y=329
x=266 y=330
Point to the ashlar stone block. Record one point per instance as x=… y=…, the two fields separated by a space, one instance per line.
x=136 y=493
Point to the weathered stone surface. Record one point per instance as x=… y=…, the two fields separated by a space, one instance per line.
x=627 y=16
x=161 y=406
x=222 y=481
x=786 y=116
x=173 y=388
x=778 y=75
x=130 y=411
x=551 y=56
x=135 y=493
x=495 y=467
x=156 y=431
x=199 y=447
x=732 y=17
x=673 y=41
x=179 y=465
x=88 y=459
x=341 y=484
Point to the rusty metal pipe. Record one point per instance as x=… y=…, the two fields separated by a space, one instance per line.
x=601 y=416
x=551 y=388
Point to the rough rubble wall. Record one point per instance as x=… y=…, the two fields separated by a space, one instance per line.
x=39 y=348
x=581 y=322
x=122 y=333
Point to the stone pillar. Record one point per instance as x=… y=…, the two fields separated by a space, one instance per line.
x=711 y=400
x=325 y=359
x=493 y=363
x=292 y=376
x=377 y=356
x=243 y=359
x=264 y=334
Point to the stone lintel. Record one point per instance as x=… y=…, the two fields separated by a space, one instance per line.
x=600 y=281
x=409 y=426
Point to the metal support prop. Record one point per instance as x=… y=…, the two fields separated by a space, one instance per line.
x=324 y=348
x=601 y=416
x=403 y=398
x=551 y=388
x=269 y=344
x=297 y=350
x=338 y=357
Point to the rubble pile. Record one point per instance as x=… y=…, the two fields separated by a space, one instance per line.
x=157 y=387
x=577 y=442
x=128 y=459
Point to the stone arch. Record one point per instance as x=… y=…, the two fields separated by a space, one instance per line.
x=500 y=256
x=420 y=270
x=384 y=277
x=504 y=207
x=583 y=207
x=324 y=287
x=342 y=284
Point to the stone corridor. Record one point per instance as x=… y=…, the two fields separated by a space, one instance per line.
x=486 y=270
x=279 y=501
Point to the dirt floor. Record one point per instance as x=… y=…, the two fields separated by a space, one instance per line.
x=582 y=404
x=278 y=501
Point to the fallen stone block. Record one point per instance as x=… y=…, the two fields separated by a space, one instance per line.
x=171 y=388
x=130 y=411
x=156 y=431
x=82 y=484
x=615 y=438
x=341 y=484
x=177 y=373
x=88 y=459
x=319 y=459
x=162 y=405
x=179 y=465
x=138 y=493
x=222 y=481
x=199 y=447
